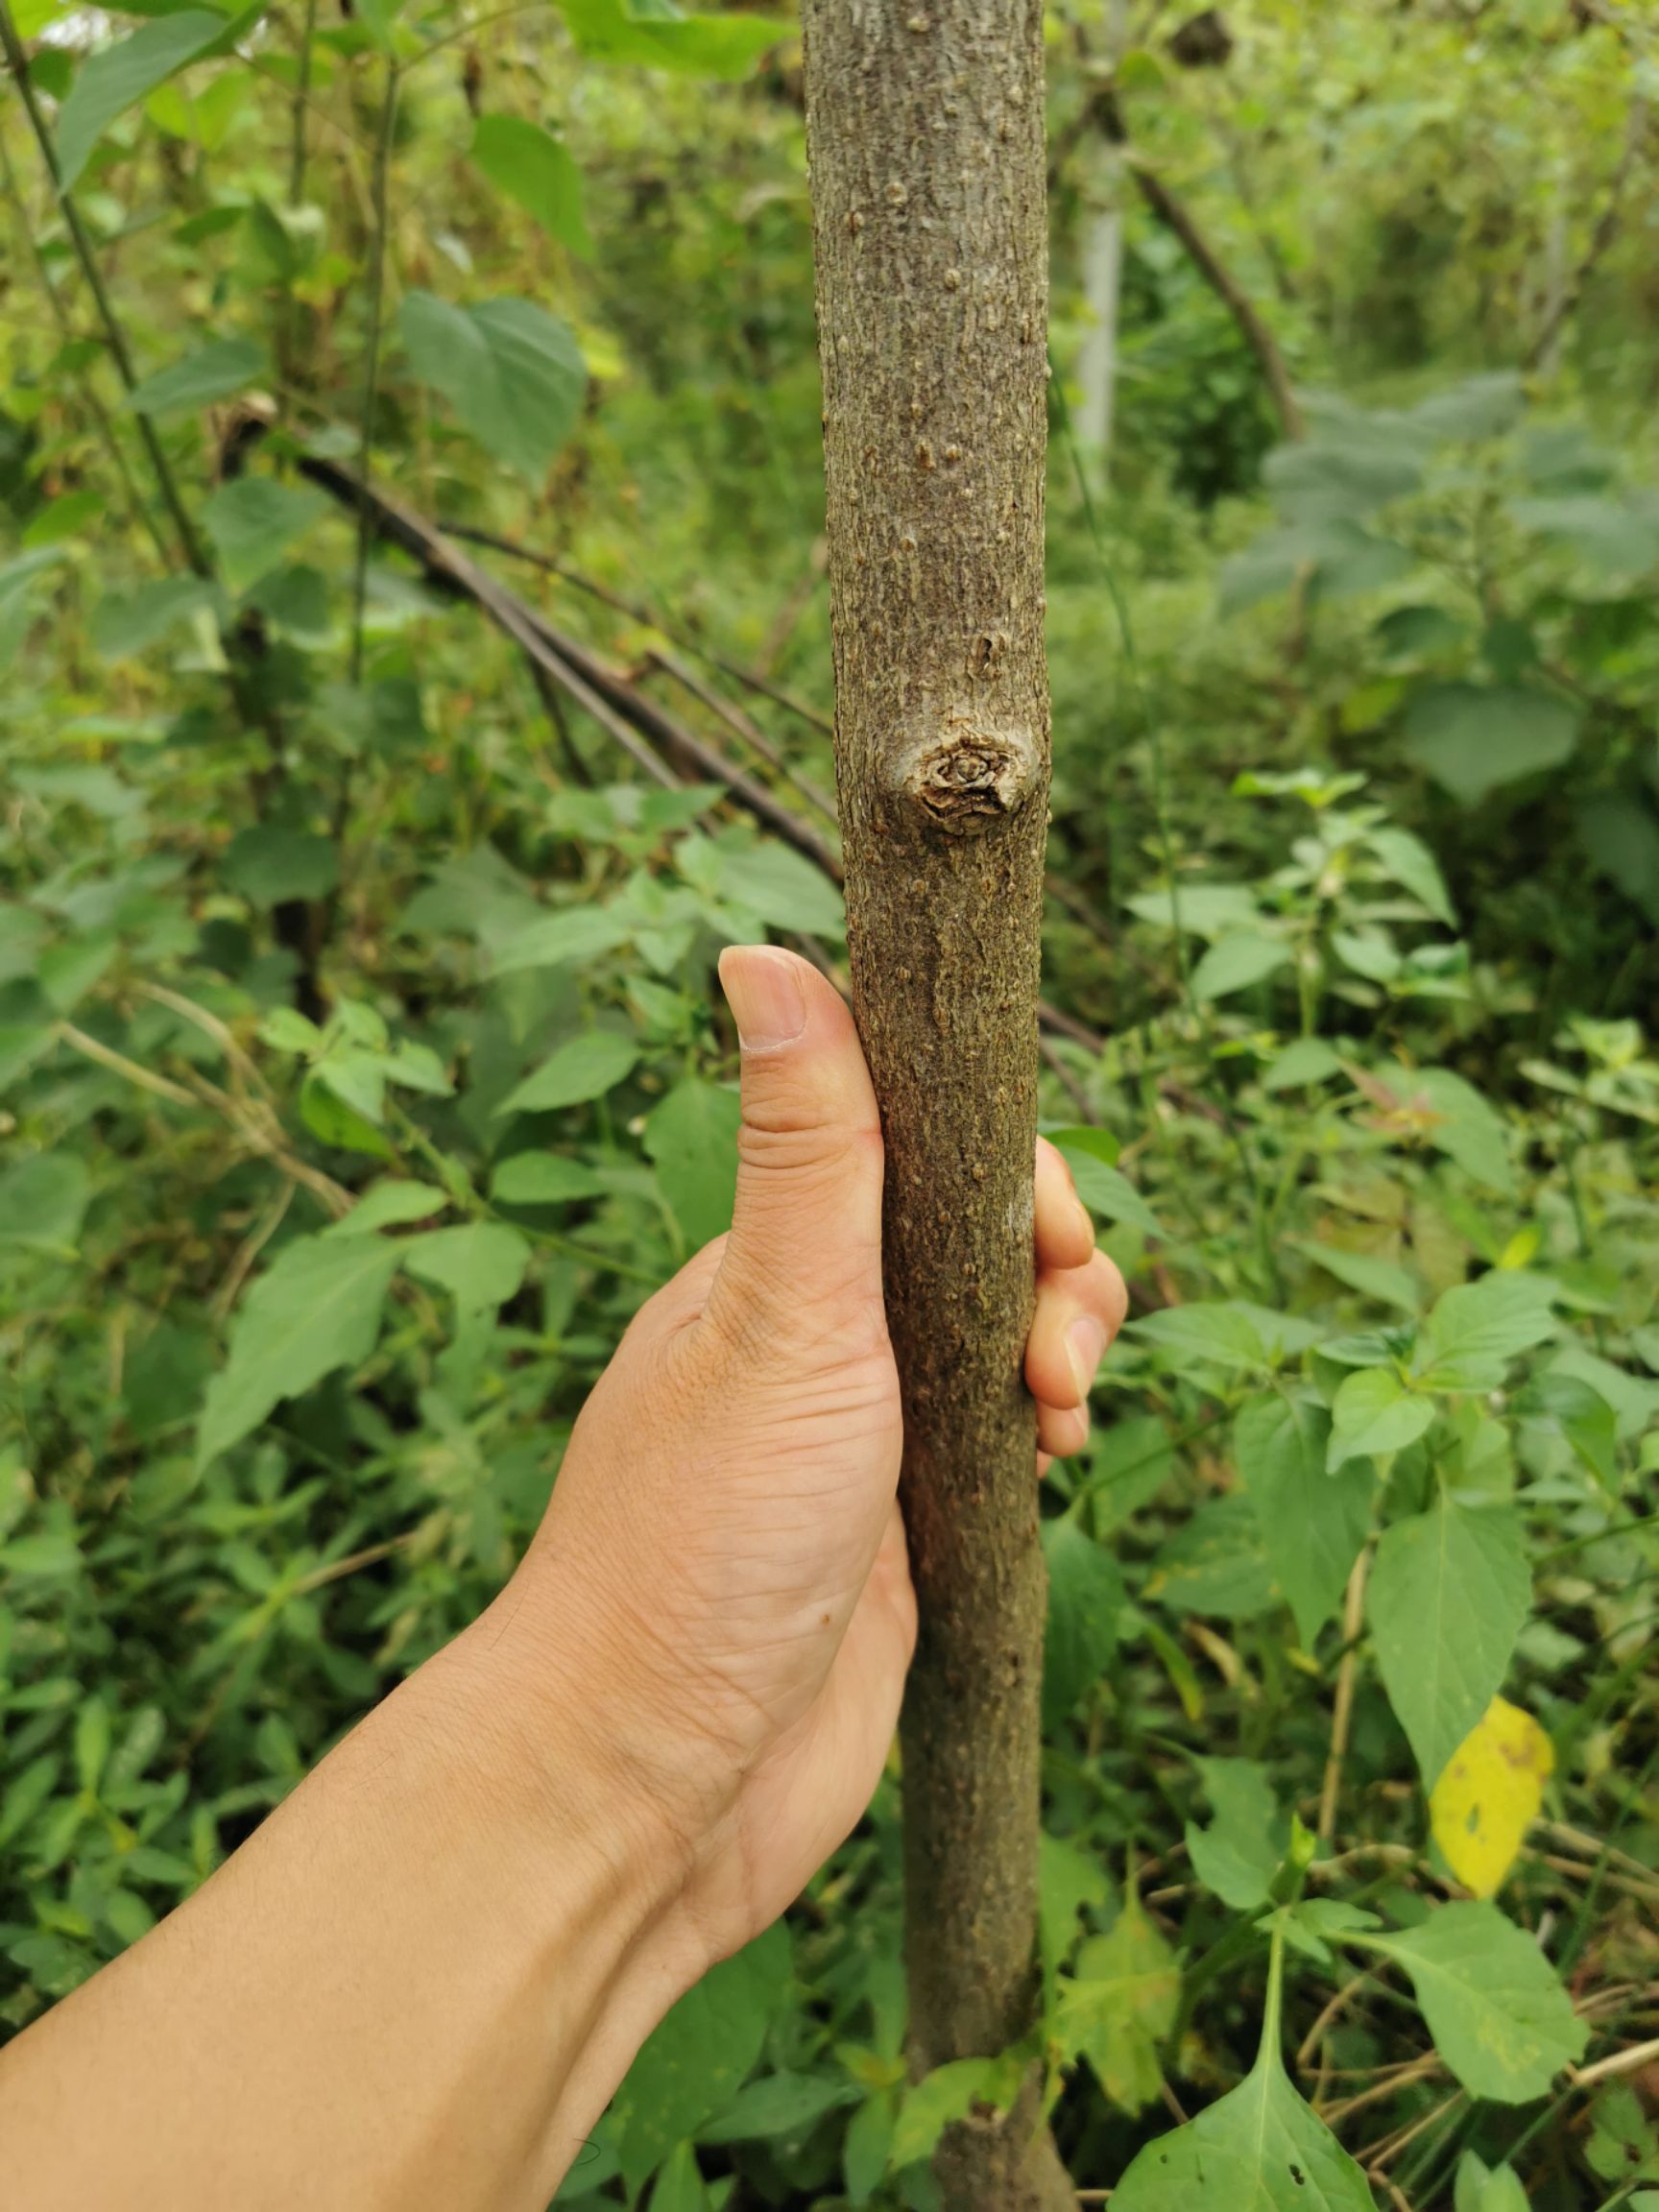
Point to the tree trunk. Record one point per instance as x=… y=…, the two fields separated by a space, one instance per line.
x=924 y=131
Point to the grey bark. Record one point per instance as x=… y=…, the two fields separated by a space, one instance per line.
x=925 y=131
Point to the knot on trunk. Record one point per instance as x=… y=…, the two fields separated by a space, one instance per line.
x=968 y=779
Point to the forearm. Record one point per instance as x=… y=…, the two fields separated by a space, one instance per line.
x=414 y=1987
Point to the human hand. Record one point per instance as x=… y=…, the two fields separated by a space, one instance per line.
x=722 y=1570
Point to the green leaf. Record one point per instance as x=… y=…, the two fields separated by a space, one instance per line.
x=1206 y=1334
x=680 y=2185
x=480 y=1263
x=663 y=38
x=574 y=934
x=1472 y=737
x=1450 y=1590
x=1214 y=1565
x=951 y=2093
x=119 y=76
x=252 y=520
x=533 y=168
x=269 y=866
x=1483 y=2189
x=1388 y=1284
x=1313 y=1524
x=1259 y=2149
x=1500 y=2018
x=1336 y=557
x=1464 y=1126
x=1204 y=909
x=1086 y=1598
x=1239 y=1852
x=1093 y=1144
x=123 y=626
x=1104 y=1191
x=776 y=2104
x=42 y=1203
x=512 y=372
x=1411 y=863
x=691 y=1138
x=390 y=1205
x=1475 y=1330
x=776 y=884
x=869 y=2145
x=1373 y=1415
x=586 y=1067
x=691 y=2064
x=212 y=372
x=542 y=1179
x=316 y=1309
x=1234 y=963
x=1119 y=2005
x=1306 y=1059
x=1069 y=1878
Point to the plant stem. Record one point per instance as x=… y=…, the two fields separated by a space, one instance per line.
x=115 y=337
x=371 y=366
x=1342 y=1713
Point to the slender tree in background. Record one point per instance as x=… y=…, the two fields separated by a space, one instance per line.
x=924 y=131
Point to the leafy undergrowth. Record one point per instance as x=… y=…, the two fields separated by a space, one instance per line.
x=363 y=1068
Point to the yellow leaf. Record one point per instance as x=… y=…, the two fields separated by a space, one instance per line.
x=1489 y=1795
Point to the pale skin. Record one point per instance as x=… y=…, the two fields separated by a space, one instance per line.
x=418 y=1985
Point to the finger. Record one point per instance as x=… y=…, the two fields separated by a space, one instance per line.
x=1061 y=1428
x=1065 y=1231
x=808 y=1220
x=1079 y=1311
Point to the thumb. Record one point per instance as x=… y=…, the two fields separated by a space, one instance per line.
x=807 y=1221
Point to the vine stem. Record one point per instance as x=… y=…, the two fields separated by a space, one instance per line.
x=1342 y=1715
x=372 y=367
x=115 y=337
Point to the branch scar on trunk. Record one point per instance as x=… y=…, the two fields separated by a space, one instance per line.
x=970 y=776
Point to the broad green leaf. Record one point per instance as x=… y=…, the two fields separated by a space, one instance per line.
x=1463 y=1126
x=1363 y=1271
x=1206 y=909
x=869 y=2145
x=1105 y=1192
x=1239 y=1853
x=1307 y=1060
x=1069 y=1878
x=776 y=884
x=1490 y=1795
x=1474 y=738
x=951 y=2093
x=776 y=2104
x=1259 y=2149
x=691 y=2064
x=680 y=2185
x=42 y=1203
x=1120 y=2004
x=1086 y=1597
x=691 y=1138
x=542 y=1179
x=1484 y=2189
x=1128 y=1464
x=566 y=939
x=1094 y=1144
x=1333 y=558
x=1374 y=1414
x=663 y=38
x=390 y=1205
x=1214 y=1565
x=512 y=372
x=252 y=520
x=269 y=866
x=533 y=168
x=125 y=625
x=586 y=1067
x=1478 y=1329
x=1234 y=963
x=1204 y=1334
x=1313 y=1524
x=118 y=76
x=1448 y=1592
x=1412 y=866
x=480 y=1263
x=1498 y=2016
x=316 y=1309
x=212 y=372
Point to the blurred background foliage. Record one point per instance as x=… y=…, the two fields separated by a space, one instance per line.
x=416 y=651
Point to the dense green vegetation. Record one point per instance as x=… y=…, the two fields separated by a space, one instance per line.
x=362 y=1067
